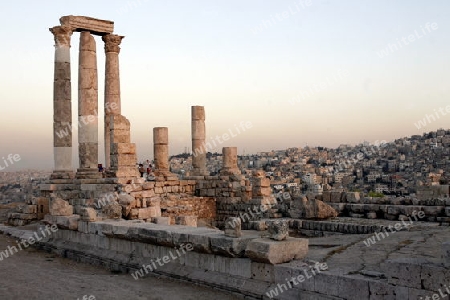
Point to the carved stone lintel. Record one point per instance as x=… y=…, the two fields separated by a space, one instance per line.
x=62 y=35
x=112 y=42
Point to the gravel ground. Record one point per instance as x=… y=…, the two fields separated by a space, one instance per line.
x=33 y=274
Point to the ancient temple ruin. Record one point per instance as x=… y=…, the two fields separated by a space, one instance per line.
x=122 y=221
x=120 y=159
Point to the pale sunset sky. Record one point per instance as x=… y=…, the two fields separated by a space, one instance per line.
x=317 y=73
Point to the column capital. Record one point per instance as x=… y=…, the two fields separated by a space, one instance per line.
x=62 y=35
x=112 y=42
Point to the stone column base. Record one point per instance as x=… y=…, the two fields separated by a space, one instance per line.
x=230 y=171
x=88 y=174
x=66 y=174
x=165 y=175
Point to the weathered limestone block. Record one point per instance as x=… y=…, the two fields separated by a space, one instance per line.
x=336 y=197
x=163 y=220
x=63 y=222
x=301 y=207
x=147 y=213
x=121 y=136
x=29 y=209
x=276 y=252
x=123 y=160
x=82 y=23
x=258 y=225
x=186 y=220
x=126 y=171
x=278 y=230
x=233 y=227
x=112 y=211
x=60 y=207
x=128 y=203
x=148 y=185
x=153 y=201
x=353 y=197
x=261 y=182
x=148 y=194
x=262 y=191
x=88 y=214
x=228 y=246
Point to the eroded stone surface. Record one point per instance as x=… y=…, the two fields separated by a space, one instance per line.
x=278 y=230
x=302 y=207
x=199 y=150
x=276 y=252
x=88 y=214
x=82 y=23
x=60 y=207
x=233 y=227
x=229 y=158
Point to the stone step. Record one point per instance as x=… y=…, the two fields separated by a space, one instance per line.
x=348 y=228
x=392 y=212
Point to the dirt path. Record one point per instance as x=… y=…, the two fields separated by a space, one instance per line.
x=32 y=274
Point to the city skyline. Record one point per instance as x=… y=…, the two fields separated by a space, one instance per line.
x=300 y=72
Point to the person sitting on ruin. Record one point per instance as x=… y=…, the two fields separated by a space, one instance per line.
x=141 y=170
x=148 y=167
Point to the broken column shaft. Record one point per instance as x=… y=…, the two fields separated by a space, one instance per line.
x=198 y=141
x=229 y=159
x=161 y=149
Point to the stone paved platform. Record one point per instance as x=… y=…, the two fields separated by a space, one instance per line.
x=399 y=265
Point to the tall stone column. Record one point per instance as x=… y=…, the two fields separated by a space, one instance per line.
x=229 y=159
x=62 y=105
x=198 y=141
x=112 y=87
x=161 y=150
x=87 y=108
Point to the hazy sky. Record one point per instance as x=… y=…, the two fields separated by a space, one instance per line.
x=317 y=72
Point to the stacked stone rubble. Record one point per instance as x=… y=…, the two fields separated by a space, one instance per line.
x=34 y=209
x=236 y=196
x=123 y=152
x=169 y=199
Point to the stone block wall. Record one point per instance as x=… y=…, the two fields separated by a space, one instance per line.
x=350 y=204
x=211 y=199
x=34 y=209
x=236 y=196
x=123 y=152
